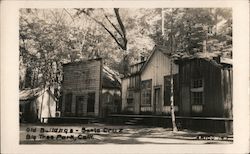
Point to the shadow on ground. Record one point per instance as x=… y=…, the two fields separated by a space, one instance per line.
x=128 y=135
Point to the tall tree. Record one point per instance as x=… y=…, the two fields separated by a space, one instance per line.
x=189 y=31
x=115 y=29
x=194 y=26
x=171 y=39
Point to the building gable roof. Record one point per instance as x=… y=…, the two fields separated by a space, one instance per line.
x=111 y=78
x=29 y=94
x=162 y=49
x=214 y=58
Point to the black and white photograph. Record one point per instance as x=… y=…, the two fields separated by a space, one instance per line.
x=125 y=77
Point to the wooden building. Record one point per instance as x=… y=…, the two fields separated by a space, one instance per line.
x=89 y=89
x=202 y=89
x=206 y=88
x=146 y=90
x=36 y=104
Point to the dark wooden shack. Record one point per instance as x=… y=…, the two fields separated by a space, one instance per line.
x=206 y=91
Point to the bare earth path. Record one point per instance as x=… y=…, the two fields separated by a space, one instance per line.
x=110 y=134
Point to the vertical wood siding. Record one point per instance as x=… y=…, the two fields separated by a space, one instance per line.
x=216 y=88
x=156 y=69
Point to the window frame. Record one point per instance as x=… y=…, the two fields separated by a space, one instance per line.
x=146 y=92
x=91 y=98
x=197 y=88
x=130 y=98
x=176 y=90
x=68 y=102
x=167 y=101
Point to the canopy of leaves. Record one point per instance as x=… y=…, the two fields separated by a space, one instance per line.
x=192 y=30
x=50 y=37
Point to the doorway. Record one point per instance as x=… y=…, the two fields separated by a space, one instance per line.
x=79 y=105
x=157 y=94
x=91 y=103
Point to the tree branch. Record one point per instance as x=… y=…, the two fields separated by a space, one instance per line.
x=114 y=26
x=69 y=15
x=124 y=47
x=116 y=10
x=120 y=21
x=112 y=35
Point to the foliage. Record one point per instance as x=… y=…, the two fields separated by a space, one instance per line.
x=189 y=30
x=50 y=37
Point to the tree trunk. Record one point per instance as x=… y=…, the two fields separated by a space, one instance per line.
x=172 y=78
x=41 y=108
x=49 y=104
x=172 y=97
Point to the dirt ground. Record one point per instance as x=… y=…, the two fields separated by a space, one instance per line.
x=109 y=134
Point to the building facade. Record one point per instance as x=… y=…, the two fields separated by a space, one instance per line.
x=206 y=90
x=36 y=105
x=147 y=89
x=89 y=89
x=202 y=89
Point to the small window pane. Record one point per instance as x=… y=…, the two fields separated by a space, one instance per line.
x=197 y=83
x=146 y=92
x=197 y=98
x=167 y=90
x=68 y=102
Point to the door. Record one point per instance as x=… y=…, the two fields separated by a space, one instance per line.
x=137 y=102
x=79 y=105
x=157 y=100
x=185 y=100
x=91 y=103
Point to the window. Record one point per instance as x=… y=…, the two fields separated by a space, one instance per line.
x=131 y=82
x=146 y=87
x=130 y=97
x=197 y=83
x=91 y=102
x=79 y=105
x=68 y=102
x=197 y=98
x=197 y=92
x=167 y=90
x=134 y=82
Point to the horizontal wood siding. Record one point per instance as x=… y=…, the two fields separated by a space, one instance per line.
x=80 y=79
